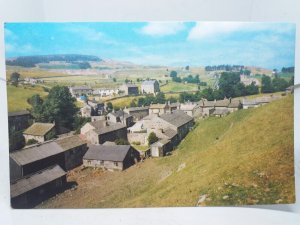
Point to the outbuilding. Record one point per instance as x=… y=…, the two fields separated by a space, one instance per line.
x=40 y=132
x=161 y=148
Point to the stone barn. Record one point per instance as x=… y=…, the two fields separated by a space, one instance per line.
x=150 y=87
x=161 y=148
x=18 y=121
x=110 y=157
x=137 y=112
x=37 y=187
x=129 y=89
x=40 y=132
x=120 y=116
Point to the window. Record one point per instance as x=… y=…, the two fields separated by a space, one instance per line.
x=116 y=163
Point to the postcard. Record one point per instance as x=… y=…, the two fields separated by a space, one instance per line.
x=150 y=114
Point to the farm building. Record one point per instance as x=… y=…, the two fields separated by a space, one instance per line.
x=179 y=121
x=129 y=89
x=34 y=188
x=80 y=90
x=110 y=157
x=190 y=108
x=137 y=112
x=100 y=131
x=161 y=148
x=98 y=107
x=220 y=112
x=234 y=105
x=66 y=152
x=222 y=104
x=86 y=111
x=120 y=116
x=150 y=87
x=207 y=107
x=249 y=104
x=40 y=132
x=18 y=121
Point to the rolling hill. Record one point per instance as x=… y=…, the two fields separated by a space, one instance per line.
x=244 y=158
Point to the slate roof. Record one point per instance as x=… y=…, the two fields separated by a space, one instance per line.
x=205 y=103
x=115 y=153
x=111 y=127
x=132 y=109
x=170 y=133
x=176 y=118
x=129 y=85
x=158 y=106
x=249 y=102
x=220 y=111
x=70 y=142
x=36 y=152
x=234 y=104
x=160 y=143
x=188 y=106
x=19 y=113
x=35 y=180
x=149 y=82
x=39 y=129
x=120 y=113
x=222 y=103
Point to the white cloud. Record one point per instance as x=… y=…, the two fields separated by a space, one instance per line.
x=162 y=28
x=86 y=32
x=211 y=29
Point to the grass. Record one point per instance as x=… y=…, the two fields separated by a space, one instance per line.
x=243 y=158
x=141 y=147
x=178 y=87
x=17 y=96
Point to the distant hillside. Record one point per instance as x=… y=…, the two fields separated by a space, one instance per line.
x=246 y=157
x=31 y=61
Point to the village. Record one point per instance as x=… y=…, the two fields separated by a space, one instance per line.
x=113 y=140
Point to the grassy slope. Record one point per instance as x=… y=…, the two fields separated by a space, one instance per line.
x=247 y=156
x=17 y=96
x=175 y=87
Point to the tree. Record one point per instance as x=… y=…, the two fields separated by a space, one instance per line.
x=173 y=74
x=279 y=84
x=133 y=103
x=59 y=107
x=152 y=138
x=208 y=94
x=239 y=89
x=176 y=79
x=114 y=79
x=252 y=89
x=227 y=82
x=160 y=98
x=109 y=106
x=187 y=68
x=266 y=84
x=14 y=78
x=291 y=82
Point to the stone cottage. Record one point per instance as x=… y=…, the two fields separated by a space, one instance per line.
x=161 y=148
x=129 y=89
x=137 y=112
x=120 y=116
x=150 y=87
x=40 y=132
x=110 y=157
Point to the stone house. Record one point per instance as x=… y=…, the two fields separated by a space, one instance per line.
x=220 y=112
x=110 y=157
x=137 y=112
x=234 y=105
x=161 y=148
x=249 y=104
x=191 y=108
x=86 y=111
x=18 y=121
x=129 y=89
x=77 y=91
x=150 y=87
x=40 y=132
x=222 y=104
x=263 y=100
x=66 y=152
x=120 y=117
x=100 y=131
x=207 y=107
x=37 y=187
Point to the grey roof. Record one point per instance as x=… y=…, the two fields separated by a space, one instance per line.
x=234 y=103
x=170 y=133
x=19 y=113
x=176 y=118
x=249 y=102
x=115 y=153
x=264 y=99
x=39 y=129
x=36 y=152
x=109 y=128
x=120 y=113
x=149 y=82
x=160 y=143
x=70 y=142
x=132 y=109
x=35 y=180
x=205 y=103
x=219 y=111
x=129 y=85
x=222 y=103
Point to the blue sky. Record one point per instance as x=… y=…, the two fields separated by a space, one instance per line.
x=269 y=45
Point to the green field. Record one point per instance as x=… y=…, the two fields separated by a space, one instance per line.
x=178 y=87
x=243 y=158
x=17 y=96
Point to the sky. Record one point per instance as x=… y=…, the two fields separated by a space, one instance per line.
x=267 y=45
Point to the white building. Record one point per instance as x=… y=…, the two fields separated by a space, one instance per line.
x=150 y=87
